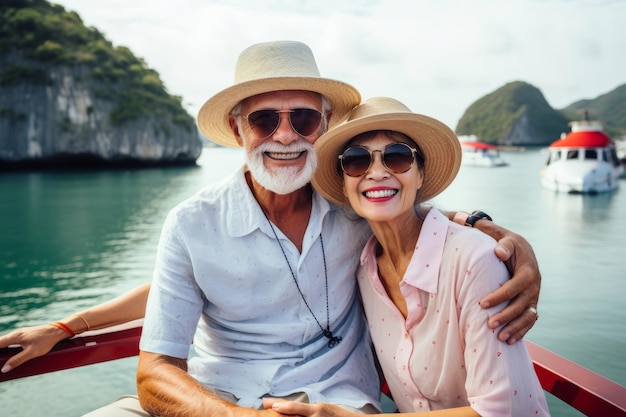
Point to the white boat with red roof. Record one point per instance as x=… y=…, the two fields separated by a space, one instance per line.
x=583 y=161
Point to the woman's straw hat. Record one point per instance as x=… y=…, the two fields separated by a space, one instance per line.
x=438 y=143
x=272 y=66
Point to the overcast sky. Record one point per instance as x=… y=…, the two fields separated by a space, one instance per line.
x=438 y=57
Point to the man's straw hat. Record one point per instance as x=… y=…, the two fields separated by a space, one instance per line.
x=439 y=145
x=272 y=66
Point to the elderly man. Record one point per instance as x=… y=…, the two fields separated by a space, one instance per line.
x=258 y=269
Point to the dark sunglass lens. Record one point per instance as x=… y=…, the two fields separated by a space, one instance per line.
x=356 y=161
x=305 y=121
x=398 y=157
x=264 y=122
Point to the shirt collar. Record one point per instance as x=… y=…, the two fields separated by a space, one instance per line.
x=423 y=270
x=245 y=215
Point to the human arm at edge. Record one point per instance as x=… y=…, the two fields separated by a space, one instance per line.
x=38 y=340
x=122 y=309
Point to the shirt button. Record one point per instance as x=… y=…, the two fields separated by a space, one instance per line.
x=406 y=335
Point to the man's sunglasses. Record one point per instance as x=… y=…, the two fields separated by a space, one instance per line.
x=396 y=157
x=265 y=122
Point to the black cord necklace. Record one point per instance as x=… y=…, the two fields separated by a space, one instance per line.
x=332 y=340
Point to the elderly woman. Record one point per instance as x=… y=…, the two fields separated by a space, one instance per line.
x=421 y=276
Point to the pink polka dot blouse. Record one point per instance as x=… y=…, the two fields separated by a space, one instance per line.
x=443 y=354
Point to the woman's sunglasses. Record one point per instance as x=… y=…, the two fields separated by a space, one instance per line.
x=265 y=122
x=396 y=157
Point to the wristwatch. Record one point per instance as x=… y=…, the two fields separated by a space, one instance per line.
x=475 y=216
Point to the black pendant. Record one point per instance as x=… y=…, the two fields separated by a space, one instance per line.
x=332 y=340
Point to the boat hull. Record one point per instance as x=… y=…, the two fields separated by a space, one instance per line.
x=480 y=154
x=476 y=160
x=581 y=177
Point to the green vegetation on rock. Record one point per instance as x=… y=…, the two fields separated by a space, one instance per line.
x=609 y=108
x=519 y=105
x=493 y=117
x=48 y=35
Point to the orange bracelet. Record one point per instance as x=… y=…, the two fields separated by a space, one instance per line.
x=63 y=327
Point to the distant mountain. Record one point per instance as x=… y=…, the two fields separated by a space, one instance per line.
x=609 y=108
x=515 y=114
x=518 y=114
x=69 y=97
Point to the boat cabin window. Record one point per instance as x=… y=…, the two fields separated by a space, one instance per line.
x=591 y=154
x=572 y=154
x=613 y=159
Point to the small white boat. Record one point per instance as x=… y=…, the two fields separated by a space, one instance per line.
x=480 y=154
x=582 y=161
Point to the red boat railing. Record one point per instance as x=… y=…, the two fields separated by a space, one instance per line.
x=584 y=390
x=88 y=348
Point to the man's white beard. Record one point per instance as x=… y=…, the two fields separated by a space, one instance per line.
x=282 y=180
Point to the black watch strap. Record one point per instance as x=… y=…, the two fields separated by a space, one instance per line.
x=475 y=216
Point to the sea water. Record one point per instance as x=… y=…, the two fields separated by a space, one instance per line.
x=69 y=240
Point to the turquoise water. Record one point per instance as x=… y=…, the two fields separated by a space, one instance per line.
x=70 y=240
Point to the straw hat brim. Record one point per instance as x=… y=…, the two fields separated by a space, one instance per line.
x=438 y=143
x=213 y=115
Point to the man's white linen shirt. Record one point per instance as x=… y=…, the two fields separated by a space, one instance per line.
x=220 y=269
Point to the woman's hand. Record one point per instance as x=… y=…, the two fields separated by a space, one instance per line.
x=35 y=341
x=296 y=409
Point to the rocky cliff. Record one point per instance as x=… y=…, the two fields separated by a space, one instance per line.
x=63 y=118
x=68 y=97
